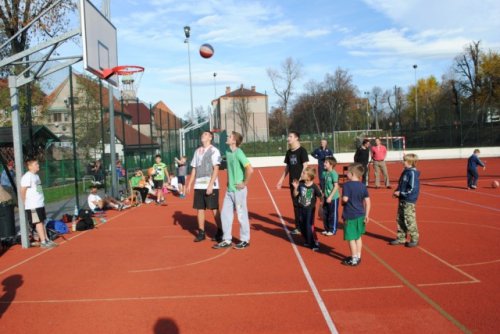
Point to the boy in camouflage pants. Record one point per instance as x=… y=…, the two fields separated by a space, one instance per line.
x=407 y=192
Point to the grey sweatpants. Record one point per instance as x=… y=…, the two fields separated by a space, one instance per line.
x=235 y=200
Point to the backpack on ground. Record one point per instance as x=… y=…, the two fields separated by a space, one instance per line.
x=85 y=221
x=58 y=226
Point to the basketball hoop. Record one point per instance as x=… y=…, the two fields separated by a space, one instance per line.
x=129 y=79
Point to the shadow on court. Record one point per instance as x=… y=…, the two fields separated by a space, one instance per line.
x=10 y=286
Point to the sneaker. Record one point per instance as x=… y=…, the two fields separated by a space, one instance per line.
x=347 y=259
x=222 y=244
x=411 y=244
x=48 y=244
x=52 y=243
x=295 y=231
x=242 y=245
x=120 y=207
x=200 y=237
x=315 y=248
x=396 y=242
x=473 y=187
x=351 y=262
x=148 y=200
x=125 y=207
x=389 y=187
x=218 y=236
x=329 y=234
x=324 y=232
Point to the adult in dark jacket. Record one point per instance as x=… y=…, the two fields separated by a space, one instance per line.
x=362 y=156
x=321 y=153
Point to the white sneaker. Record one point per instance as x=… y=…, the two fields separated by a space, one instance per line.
x=324 y=232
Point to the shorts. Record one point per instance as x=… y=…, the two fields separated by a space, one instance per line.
x=354 y=228
x=202 y=201
x=36 y=216
x=181 y=179
x=158 y=184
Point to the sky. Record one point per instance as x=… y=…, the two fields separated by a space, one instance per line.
x=376 y=41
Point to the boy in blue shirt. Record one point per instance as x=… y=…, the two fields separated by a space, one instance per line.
x=407 y=192
x=472 y=174
x=356 y=203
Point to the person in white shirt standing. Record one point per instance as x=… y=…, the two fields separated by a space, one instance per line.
x=204 y=175
x=34 y=201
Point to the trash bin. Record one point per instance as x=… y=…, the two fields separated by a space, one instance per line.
x=7 y=221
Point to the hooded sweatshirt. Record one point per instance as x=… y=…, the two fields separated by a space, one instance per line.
x=409 y=185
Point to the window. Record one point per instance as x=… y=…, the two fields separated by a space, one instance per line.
x=57 y=117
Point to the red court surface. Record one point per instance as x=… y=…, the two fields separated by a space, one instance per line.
x=140 y=272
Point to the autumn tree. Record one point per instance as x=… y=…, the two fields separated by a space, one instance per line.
x=15 y=15
x=278 y=122
x=339 y=94
x=283 y=81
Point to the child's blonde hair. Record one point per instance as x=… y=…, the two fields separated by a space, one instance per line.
x=477 y=151
x=310 y=172
x=411 y=158
x=356 y=169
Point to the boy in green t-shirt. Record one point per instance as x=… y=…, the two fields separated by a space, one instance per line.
x=239 y=171
x=160 y=174
x=331 y=198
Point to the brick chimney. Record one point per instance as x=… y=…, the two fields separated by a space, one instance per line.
x=228 y=89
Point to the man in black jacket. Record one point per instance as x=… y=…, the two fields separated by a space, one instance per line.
x=362 y=156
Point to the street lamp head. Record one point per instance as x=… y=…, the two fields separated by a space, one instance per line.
x=414 y=66
x=187 y=31
x=215 y=74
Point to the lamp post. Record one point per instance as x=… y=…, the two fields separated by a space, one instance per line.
x=416 y=96
x=367 y=94
x=187 y=33
x=214 y=107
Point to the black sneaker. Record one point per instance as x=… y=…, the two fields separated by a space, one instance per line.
x=396 y=242
x=222 y=244
x=351 y=262
x=200 y=237
x=411 y=244
x=218 y=236
x=242 y=245
x=295 y=231
x=347 y=259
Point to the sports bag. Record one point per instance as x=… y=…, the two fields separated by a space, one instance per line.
x=85 y=222
x=58 y=226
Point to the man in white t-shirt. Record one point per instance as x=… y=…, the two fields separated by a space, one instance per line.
x=34 y=201
x=96 y=203
x=204 y=175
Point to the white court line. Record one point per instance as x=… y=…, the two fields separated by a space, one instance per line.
x=476 y=264
x=462 y=202
x=364 y=288
x=449 y=265
x=309 y=279
x=448 y=283
x=180 y=266
x=50 y=249
x=153 y=298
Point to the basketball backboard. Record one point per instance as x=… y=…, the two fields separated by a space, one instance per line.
x=100 y=50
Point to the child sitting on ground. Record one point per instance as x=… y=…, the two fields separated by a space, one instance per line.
x=96 y=203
